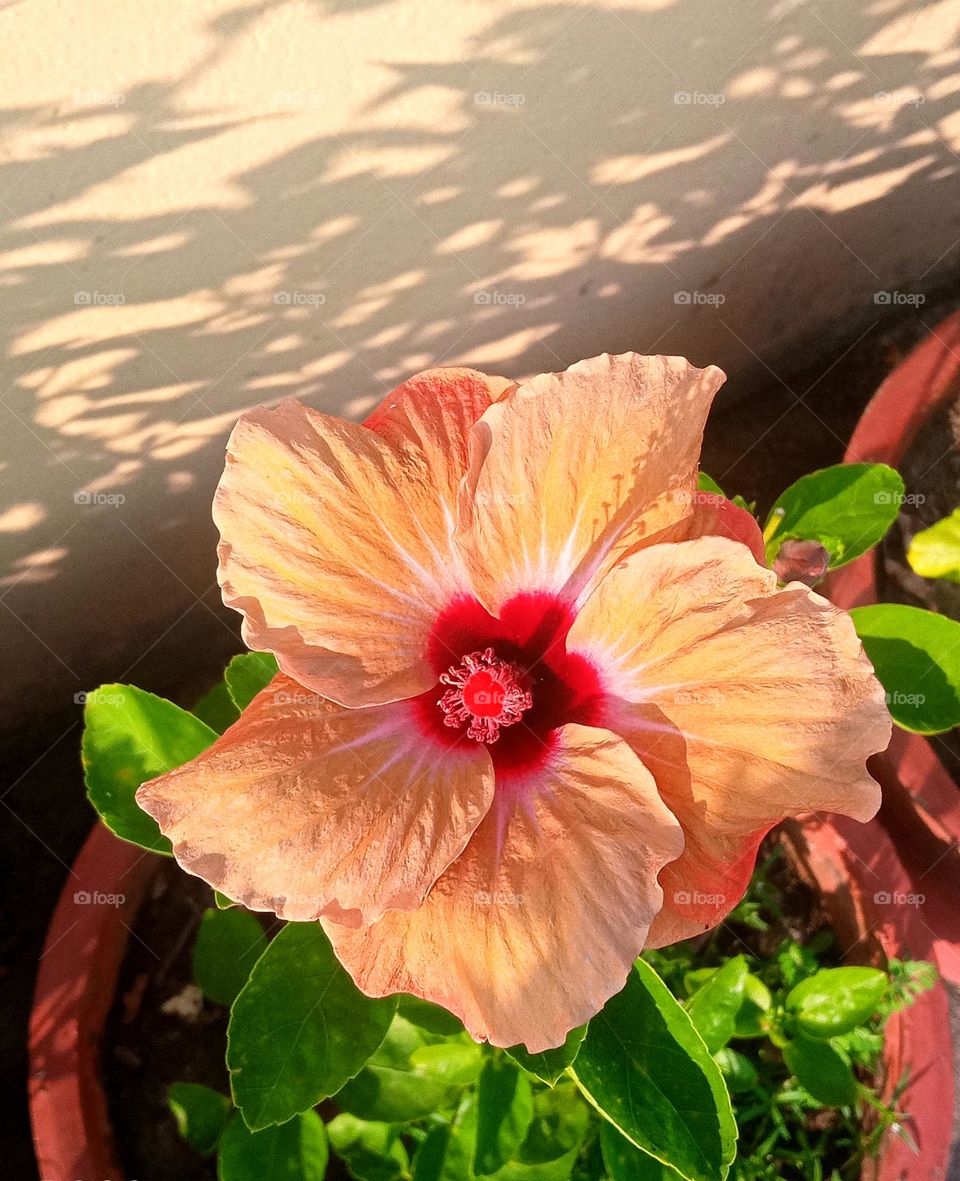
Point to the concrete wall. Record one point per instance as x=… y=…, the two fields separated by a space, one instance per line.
x=207 y=204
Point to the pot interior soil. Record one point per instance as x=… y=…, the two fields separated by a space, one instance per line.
x=160 y=1031
x=149 y=1044
x=931 y=474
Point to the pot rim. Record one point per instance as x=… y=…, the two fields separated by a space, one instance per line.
x=916 y=389
x=75 y=989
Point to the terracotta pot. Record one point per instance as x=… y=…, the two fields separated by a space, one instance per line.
x=870 y=900
x=892 y=887
x=921 y=813
x=925 y=381
x=75 y=990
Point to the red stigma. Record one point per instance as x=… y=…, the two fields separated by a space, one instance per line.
x=485 y=692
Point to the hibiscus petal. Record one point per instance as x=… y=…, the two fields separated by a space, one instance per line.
x=575 y=469
x=435 y=410
x=336 y=540
x=715 y=516
x=536 y=924
x=747 y=703
x=303 y=807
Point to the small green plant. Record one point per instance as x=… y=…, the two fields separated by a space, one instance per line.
x=798 y=1041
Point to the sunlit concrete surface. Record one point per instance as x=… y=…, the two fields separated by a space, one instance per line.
x=208 y=204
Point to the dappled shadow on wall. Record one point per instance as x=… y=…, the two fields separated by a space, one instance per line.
x=652 y=193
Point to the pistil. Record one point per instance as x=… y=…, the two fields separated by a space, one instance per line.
x=486 y=694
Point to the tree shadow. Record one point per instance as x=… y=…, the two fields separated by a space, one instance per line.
x=653 y=194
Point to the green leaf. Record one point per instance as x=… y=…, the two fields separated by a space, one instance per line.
x=835 y=1000
x=296 y=1151
x=299 y=1028
x=431 y=1154
x=916 y=655
x=201 y=1114
x=707 y=483
x=455 y=1063
x=821 y=1070
x=625 y=1162
x=552 y=1143
x=390 y=1087
x=216 y=708
x=129 y=737
x=372 y=1151
x=644 y=1066
x=935 y=552
x=714 y=1006
x=228 y=944
x=847 y=508
x=504 y=1112
x=696 y=978
x=549 y=1065
x=222 y=901
x=738 y=1071
x=248 y=674
x=795 y=962
x=447 y=1152
x=757 y=1002
x=428 y=1016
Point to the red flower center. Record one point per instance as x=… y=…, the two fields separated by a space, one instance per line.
x=486 y=692
x=508 y=682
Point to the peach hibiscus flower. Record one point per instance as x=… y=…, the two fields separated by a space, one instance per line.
x=539 y=703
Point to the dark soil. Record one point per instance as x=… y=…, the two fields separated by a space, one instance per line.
x=792 y=908
x=146 y=1049
x=931 y=473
